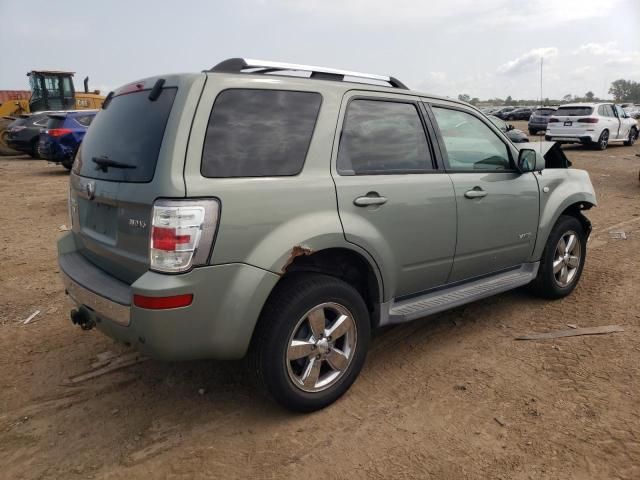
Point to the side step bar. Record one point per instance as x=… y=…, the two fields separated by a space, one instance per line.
x=458 y=294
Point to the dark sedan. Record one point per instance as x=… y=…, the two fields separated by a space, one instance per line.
x=515 y=135
x=23 y=133
x=518 y=114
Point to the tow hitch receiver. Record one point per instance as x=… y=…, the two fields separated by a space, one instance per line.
x=81 y=317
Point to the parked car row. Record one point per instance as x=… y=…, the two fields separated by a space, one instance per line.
x=53 y=136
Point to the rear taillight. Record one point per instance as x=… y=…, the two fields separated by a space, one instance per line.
x=58 y=132
x=182 y=233
x=588 y=120
x=162 y=303
x=553 y=120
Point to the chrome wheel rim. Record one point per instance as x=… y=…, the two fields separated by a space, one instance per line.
x=566 y=260
x=604 y=140
x=321 y=347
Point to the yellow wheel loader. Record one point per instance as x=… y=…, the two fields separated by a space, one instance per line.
x=50 y=90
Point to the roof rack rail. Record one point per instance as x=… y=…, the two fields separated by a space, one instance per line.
x=237 y=65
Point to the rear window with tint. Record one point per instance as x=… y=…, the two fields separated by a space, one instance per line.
x=129 y=131
x=55 y=122
x=574 y=111
x=259 y=133
x=544 y=112
x=85 y=120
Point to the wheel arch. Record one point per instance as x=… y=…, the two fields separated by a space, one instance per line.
x=350 y=265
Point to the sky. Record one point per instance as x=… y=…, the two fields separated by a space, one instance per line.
x=483 y=48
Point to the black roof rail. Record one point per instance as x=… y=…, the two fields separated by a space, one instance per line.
x=237 y=65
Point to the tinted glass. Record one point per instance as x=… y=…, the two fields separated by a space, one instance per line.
x=498 y=123
x=129 y=131
x=608 y=111
x=85 y=120
x=574 y=111
x=258 y=133
x=382 y=137
x=620 y=111
x=470 y=143
x=544 y=112
x=55 y=122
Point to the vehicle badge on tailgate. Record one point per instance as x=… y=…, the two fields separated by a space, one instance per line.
x=91 y=190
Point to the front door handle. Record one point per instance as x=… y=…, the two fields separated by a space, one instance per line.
x=371 y=198
x=477 y=192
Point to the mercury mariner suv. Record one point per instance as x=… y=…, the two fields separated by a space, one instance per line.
x=283 y=211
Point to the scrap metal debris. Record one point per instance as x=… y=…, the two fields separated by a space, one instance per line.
x=31 y=317
x=576 y=332
x=621 y=235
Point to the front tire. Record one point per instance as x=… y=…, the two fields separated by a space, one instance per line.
x=562 y=260
x=633 y=136
x=311 y=341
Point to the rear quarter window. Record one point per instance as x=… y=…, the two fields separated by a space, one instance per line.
x=259 y=133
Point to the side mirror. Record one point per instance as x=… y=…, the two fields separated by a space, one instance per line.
x=510 y=127
x=527 y=160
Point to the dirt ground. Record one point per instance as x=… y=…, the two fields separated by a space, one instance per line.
x=450 y=397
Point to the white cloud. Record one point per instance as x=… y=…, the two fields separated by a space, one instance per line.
x=527 y=62
x=597 y=49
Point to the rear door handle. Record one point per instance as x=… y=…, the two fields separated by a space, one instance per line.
x=371 y=198
x=476 y=192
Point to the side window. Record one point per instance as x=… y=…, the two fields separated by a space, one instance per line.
x=382 y=137
x=471 y=145
x=259 y=133
x=620 y=112
x=608 y=109
x=601 y=110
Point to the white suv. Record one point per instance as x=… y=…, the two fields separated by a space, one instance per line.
x=595 y=124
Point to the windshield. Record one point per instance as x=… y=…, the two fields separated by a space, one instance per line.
x=124 y=140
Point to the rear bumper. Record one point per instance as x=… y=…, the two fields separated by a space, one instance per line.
x=581 y=138
x=227 y=300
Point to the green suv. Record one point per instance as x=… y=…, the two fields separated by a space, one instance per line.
x=284 y=211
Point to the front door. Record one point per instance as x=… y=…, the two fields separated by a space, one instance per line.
x=498 y=207
x=391 y=199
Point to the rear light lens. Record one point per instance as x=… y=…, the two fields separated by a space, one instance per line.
x=588 y=120
x=58 y=132
x=182 y=233
x=553 y=120
x=162 y=303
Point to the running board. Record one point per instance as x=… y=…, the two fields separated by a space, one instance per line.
x=458 y=294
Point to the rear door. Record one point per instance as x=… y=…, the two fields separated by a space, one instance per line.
x=392 y=200
x=132 y=154
x=498 y=208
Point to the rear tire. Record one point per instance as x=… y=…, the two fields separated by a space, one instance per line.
x=305 y=309
x=633 y=136
x=603 y=141
x=562 y=259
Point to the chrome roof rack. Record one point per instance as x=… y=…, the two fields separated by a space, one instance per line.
x=237 y=65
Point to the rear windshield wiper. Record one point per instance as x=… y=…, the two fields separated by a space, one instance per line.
x=103 y=163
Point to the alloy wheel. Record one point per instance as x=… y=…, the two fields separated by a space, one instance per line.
x=321 y=347
x=604 y=140
x=566 y=260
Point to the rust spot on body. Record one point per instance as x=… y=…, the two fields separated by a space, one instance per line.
x=297 y=251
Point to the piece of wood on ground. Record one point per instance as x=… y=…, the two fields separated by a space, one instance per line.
x=31 y=317
x=124 y=361
x=575 y=332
